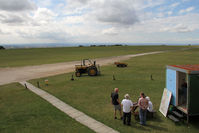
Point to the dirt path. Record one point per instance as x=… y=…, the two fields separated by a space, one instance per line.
x=17 y=74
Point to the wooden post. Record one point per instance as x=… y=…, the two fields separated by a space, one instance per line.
x=38 y=84
x=114 y=77
x=72 y=78
x=151 y=77
x=25 y=86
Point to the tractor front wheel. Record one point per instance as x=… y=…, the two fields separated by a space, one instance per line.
x=78 y=74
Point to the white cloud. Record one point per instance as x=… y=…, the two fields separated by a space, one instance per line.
x=74 y=20
x=160 y=15
x=3 y=32
x=11 y=18
x=185 y=0
x=142 y=4
x=77 y=2
x=171 y=24
x=169 y=12
x=189 y=9
x=14 y=18
x=112 y=12
x=178 y=28
x=110 y=31
x=76 y=6
x=16 y=12
x=45 y=3
x=174 y=5
x=43 y=16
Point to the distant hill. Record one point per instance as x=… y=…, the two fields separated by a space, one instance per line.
x=50 y=45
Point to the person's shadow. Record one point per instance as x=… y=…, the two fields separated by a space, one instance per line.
x=157 y=128
x=139 y=127
x=148 y=127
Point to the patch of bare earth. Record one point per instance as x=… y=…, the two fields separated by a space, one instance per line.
x=17 y=74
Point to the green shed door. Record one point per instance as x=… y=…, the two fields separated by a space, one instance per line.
x=193 y=94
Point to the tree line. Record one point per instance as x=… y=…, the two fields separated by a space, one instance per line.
x=1 y=47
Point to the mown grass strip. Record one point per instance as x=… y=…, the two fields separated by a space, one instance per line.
x=92 y=94
x=38 y=56
x=21 y=111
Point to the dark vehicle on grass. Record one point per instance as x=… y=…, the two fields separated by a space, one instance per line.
x=120 y=64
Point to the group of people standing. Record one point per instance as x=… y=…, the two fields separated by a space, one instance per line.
x=128 y=106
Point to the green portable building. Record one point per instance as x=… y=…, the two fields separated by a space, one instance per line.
x=183 y=82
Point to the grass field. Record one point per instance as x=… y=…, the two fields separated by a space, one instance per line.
x=92 y=94
x=37 y=56
x=21 y=111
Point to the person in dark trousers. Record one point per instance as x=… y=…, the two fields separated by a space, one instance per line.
x=143 y=105
x=116 y=102
x=127 y=105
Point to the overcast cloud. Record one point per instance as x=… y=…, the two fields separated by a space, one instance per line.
x=119 y=21
x=116 y=12
x=16 y=5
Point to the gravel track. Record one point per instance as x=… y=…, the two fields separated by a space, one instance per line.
x=18 y=74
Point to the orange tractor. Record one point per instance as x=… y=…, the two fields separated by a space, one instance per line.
x=87 y=66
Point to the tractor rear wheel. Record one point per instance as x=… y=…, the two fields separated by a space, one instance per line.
x=92 y=71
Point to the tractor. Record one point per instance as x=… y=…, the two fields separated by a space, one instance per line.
x=87 y=66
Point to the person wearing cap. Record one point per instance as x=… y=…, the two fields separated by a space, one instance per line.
x=150 y=110
x=116 y=102
x=127 y=105
x=150 y=107
x=143 y=105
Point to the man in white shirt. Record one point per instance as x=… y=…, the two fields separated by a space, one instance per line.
x=127 y=105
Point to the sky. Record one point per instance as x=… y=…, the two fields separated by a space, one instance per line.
x=99 y=21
